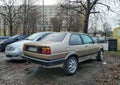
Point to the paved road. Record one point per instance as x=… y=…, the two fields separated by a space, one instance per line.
x=18 y=73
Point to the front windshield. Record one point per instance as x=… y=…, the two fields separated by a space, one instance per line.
x=35 y=36
x=55 y=37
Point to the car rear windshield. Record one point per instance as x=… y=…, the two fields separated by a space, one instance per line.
x=55 y=37
x=35 y=35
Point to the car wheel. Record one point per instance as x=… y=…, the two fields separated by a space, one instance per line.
x=100 y=55
x=70 y=66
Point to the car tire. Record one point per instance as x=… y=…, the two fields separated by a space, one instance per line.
x=70 y=66
x=100 y=55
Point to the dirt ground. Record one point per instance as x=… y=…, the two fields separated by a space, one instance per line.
x=109 y=73
x=89 y=73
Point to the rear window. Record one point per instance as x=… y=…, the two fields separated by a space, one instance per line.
x=55 y=37
x=36 y=36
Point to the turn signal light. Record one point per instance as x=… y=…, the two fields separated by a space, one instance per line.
x=46 y=50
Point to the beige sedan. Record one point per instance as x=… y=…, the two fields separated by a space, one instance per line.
x=64 y=50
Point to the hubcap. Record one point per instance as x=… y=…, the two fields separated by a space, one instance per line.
x=72 y=65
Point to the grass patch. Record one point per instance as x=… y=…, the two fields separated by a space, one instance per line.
x=116 y=53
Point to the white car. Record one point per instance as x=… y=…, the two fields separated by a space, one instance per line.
x=15 y=50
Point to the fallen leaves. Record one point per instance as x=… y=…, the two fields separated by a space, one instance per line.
x=110 y=72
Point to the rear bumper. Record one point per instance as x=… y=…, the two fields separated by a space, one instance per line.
x=45 y=63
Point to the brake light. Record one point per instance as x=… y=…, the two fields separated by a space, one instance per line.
x=46 y=50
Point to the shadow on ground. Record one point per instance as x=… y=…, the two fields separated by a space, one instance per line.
x=56 y=75
x=14 y=72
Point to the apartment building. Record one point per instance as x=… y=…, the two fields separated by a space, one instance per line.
x=50 y=11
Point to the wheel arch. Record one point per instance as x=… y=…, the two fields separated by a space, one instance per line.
x=98 y=57
x=71 y=55
x=100 y=49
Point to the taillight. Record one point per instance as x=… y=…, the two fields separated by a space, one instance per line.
x=46 y=50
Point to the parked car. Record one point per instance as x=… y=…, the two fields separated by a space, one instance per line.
x=12 y=39
x=95 y=39
x=15 y=50
x=103 y=40
x=3 y=38
x=64 y=50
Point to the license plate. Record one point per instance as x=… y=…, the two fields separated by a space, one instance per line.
x=33 y=49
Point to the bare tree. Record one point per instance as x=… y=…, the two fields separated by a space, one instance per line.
x=71 y=20
x=9 y=12
x=74 y=22
x=106 y=29
x=17 y=27
x=29 y=16
x=4 y=26
x=55 y=23
x=93 y=29
x=100 y=32
x=83 y=7
x=32 y=25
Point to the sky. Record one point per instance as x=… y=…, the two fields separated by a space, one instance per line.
x=113 y=15
x=50 y=2
x=46 y=2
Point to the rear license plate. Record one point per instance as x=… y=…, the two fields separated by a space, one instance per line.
x=33 y=49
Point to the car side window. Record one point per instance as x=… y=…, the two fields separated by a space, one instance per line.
x=75 y=39
x=86 y=39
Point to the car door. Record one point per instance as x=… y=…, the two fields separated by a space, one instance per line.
x=76 y=45
x=90 y=46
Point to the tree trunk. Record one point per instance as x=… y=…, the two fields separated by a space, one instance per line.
x=11 y=29
x=24 y=26
x=86 y=22
x=87 y=14
x=4 y=27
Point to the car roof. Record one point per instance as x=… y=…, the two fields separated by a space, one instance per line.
x=70 y=32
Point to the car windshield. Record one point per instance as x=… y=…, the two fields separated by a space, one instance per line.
x=35 y=36
x=55 y=37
